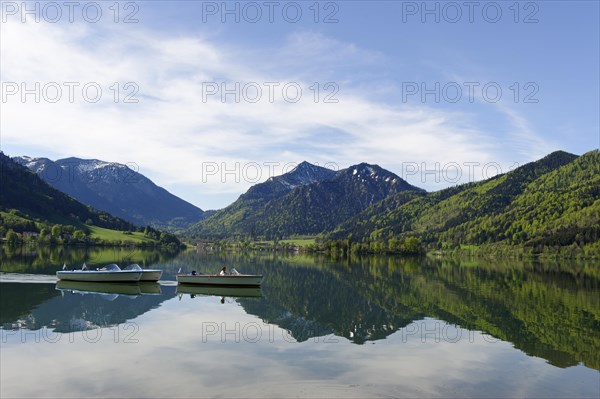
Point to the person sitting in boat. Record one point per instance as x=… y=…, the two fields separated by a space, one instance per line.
x=194 y=273
x=223 y=271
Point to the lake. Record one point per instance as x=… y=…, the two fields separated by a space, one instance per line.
x=317 y=327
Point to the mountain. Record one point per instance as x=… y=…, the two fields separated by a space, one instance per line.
x=239 y=217
x=552 y=202
x=307 y=200
x=278 y=186
x=33 y=198
x=115 y=188
x=321 y=206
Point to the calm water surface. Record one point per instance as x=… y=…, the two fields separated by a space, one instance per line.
x=367 y=327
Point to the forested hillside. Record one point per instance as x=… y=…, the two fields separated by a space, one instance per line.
x=287 y=205
x=550 y=203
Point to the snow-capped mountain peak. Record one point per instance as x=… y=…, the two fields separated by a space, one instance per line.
x=366 y=172
x=92 y=164
x=37 y=165
x=303 y=174
x=114 y=188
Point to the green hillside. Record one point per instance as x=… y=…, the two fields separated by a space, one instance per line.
x=547 y=204
x=316 y=203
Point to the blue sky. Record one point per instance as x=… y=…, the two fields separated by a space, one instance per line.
x=394 y=70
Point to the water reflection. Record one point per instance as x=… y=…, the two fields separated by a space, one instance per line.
x=234 y=292
x=546 y=310
x=549 y=310
x=77 y=306
x=111 y=289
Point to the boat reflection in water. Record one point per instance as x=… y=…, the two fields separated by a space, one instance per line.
x=112 y=290
x=207 y=290
x=148 y=275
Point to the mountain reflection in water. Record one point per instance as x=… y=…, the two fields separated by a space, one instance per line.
x=546 y=310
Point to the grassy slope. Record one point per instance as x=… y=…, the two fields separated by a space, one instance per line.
x=95 y=231
x=302 y=242
x=115 y=235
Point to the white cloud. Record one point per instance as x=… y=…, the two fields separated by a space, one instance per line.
x=172 y=131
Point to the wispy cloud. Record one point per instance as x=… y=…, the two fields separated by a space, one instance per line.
x=174 y=129
x=522 y=136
